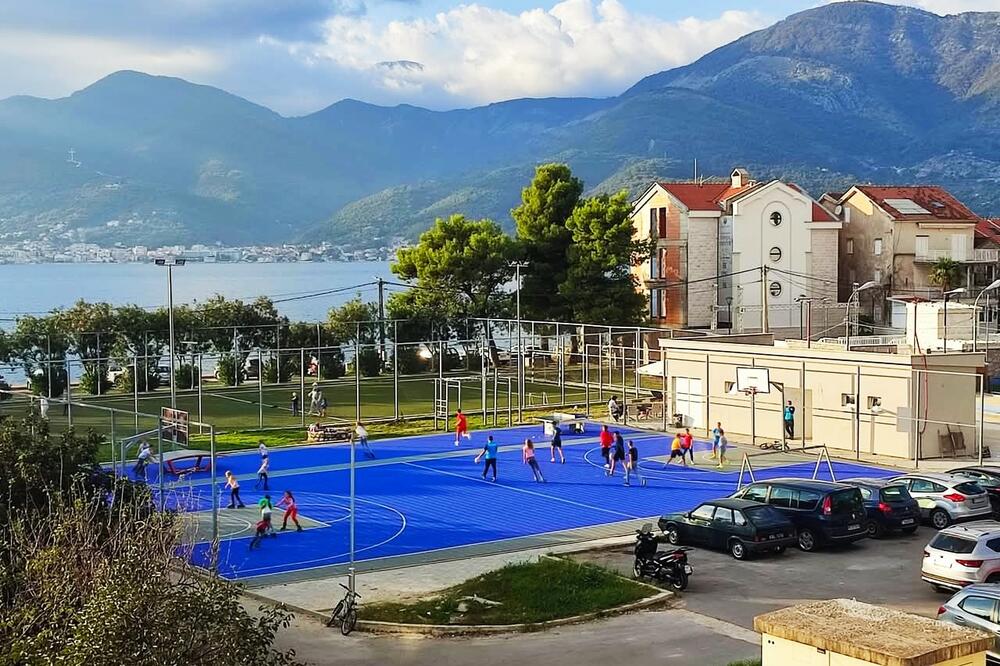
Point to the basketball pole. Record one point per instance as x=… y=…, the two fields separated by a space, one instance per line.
x=351 y=567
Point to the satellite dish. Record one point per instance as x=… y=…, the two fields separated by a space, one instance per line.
x=839 y=210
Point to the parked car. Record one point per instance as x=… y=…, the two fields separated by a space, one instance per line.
x=987 y=478
x=977 y=606
x=823 y=512
x=163 y=374
x=889 y=506
x=115 y=371
x=946 y=498
x=741 y=527
x=961 y=555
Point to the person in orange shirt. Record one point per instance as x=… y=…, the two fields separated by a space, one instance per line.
x=607 y=439
x=461 y=427
x=676 y=451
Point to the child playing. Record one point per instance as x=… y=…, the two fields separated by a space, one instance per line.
x=362 y=434
x=723 y=445
x=606 y=441
x=528 y=456
x=262 y=526
x=291 y=511
x=461 y=427
x=234 y=491
x=632 y=464
x=676 y=451
x=265 y=466
x=265 y=513
x=618 y=455
x=556 y=446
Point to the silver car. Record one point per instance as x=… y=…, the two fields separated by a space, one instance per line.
x=947 y=498
x=976 y=606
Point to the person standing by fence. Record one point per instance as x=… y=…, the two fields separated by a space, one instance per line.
x=295 y=403
x=789 y=417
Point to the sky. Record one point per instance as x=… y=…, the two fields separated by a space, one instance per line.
x=298 y=56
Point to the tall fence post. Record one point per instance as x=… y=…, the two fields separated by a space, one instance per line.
x=260 y=388
x=201 y=374
x=395 y=370
x=586 y=373
x=135 y=390
x=215 y=498
x=482 y=378
x=68 y=405
x=302 y=386
x=114 y=465
x=357 y=385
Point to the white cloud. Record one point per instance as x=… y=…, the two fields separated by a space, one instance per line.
x=474 y=53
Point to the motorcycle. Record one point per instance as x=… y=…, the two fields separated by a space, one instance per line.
x=670 y=567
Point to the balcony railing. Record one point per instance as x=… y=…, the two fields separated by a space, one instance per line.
x=976 y=256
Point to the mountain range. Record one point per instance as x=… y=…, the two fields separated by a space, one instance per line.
x=846 y=92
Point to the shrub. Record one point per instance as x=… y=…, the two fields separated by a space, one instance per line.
x=370 y=362
x=225 y=370
x=124 y=382
x=186 y=376
x=272 y=368
x=409 y=361
x=40 y=381
x=94 y=380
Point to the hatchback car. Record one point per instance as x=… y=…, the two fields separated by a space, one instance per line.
x=987 y=478
x=823 y=512
x=946 y=498
x=889 y=506
x=741 y=527
x=961 y=555
x=976 y=606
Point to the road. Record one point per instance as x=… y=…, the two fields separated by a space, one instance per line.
x=710 y=625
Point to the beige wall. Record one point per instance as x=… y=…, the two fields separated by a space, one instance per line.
x=777 y=651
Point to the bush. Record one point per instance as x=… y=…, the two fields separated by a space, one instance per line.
x=272 y=367
x=186 y=376
x=225 y=370
x=371 y=363
x=124 y=382
x=409 y=361
x=94 y=380
x=332 y=365
x=40 y=381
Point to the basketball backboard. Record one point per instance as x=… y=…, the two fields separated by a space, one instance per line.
x=757 y=380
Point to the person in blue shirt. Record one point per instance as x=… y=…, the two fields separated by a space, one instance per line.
x=490 y=453
x=716 y=433
x=789 y=420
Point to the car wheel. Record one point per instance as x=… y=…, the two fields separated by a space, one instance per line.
x=993 y=578
x=807 y=541
x=940 y=519
x=673 y=536
x=737 y=549
x=875 y=529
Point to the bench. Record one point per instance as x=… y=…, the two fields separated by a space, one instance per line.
x=575 y=421
x=327 y=432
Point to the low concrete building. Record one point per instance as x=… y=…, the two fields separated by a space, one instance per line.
x=903 y=405
x=844 y=632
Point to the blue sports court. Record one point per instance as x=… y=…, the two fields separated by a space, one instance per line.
x=422 y=495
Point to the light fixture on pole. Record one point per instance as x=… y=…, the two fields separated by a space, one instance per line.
x=947 y=296
x=170 y=262
x=975 y=332
x=518 y=265
x=871 y=284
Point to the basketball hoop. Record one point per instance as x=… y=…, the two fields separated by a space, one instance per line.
x=753 y=380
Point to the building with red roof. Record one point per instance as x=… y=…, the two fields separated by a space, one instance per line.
x=714 y=238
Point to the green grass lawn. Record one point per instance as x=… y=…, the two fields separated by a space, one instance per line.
x=518 y=593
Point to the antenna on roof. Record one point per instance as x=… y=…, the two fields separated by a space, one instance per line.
x=696 y=169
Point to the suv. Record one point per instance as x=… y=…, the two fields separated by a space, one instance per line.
x=963 y=554
x=946 y=498
x=889 y=506
x=823 y=512
x=987 y=478
x=976 y=606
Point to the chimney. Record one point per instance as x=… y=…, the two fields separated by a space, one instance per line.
x=740 y=177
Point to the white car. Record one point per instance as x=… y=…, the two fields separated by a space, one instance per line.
x=946 y=498
x=961 y=555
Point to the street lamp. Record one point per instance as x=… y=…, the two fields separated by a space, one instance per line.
x=947 y=295
x=518 y=265
x=729 y=310
x=170 y=262
x=871 y=284
x=975 y=334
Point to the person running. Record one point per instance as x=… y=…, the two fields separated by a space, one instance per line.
x=632 y=464
x=461 y=427
x=295 y=403
x=614 y=409
x=723 y=445
x=265 y=506
x=618 y=454
x=528 y=457
x=259 y=536
x=556 y=446
x=676 y=451
x=716 y=433
x=265 y=466
x=490 y=453
x=287 y=502
x=687 y=444
x=234 y=491
x=362 y=434
x=606 y=441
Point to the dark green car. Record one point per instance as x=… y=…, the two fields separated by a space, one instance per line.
x=742 y=527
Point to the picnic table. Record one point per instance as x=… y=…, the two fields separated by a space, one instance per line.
x=575 y=420
x=328 y=432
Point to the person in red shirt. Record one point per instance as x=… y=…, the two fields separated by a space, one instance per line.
x=687 y=445
x=607 y=439
x=461 y=427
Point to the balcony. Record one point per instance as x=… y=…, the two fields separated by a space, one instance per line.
x=974 y=256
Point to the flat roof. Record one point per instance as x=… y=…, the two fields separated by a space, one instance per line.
x=873 y=634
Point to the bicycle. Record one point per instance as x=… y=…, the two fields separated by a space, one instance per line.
x=776 y=445
x=345 y=615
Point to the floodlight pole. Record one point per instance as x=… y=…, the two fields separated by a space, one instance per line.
x=170 y=263
x=520 y=352
x=351 y=569
x=975 y=333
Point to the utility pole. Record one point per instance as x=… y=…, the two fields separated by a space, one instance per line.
x=763 y=300
x=715 y=306
x=381 y=318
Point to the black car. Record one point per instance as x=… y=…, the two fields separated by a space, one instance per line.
x=741 y=527
x=823 y=512
x=987 y=478
x=889 y=505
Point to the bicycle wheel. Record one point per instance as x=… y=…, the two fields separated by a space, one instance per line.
x=350 y=619
x=337 y=614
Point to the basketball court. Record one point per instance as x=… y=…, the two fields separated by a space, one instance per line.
x=423 y=500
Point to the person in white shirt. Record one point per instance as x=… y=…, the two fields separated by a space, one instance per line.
x=262 y=447
x=143 y=459
x=362 y=434
x=314 y=397
x=43 y=407
x=265 y=466
x=614 y=409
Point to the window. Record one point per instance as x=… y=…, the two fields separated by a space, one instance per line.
x=663 y=223
x=775 y=254
x=877 y=249
x=878 y=276
x=894 y=494
x=704 y=512
x=784 y=498
x=994 y=545
x=652 y=223
x=923 y=486
x=756 y=493
x=775 y=219
x=921 y=246
x=654 y=303
x=950 y=543
x=847 y=399
x=724 y=516
x=852 y=276
x=979 y=606
x=873 y=402
x=866 y=493
x=730 y=386
x=739 y=518
x=809 y=499
x=850 y=246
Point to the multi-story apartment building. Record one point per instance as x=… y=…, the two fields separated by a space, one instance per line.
x=894 y=236
x=712 y=240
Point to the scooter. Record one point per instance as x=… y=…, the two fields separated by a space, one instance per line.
x=670 y=567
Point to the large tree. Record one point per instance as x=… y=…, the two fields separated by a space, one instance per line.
x=544 y=239
x=599 y=287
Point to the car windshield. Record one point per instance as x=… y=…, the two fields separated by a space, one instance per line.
x=846 y=501
x=894 y=494
x=983 y=481
x=969 y=488
x=764 y=516
x=952 y=544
